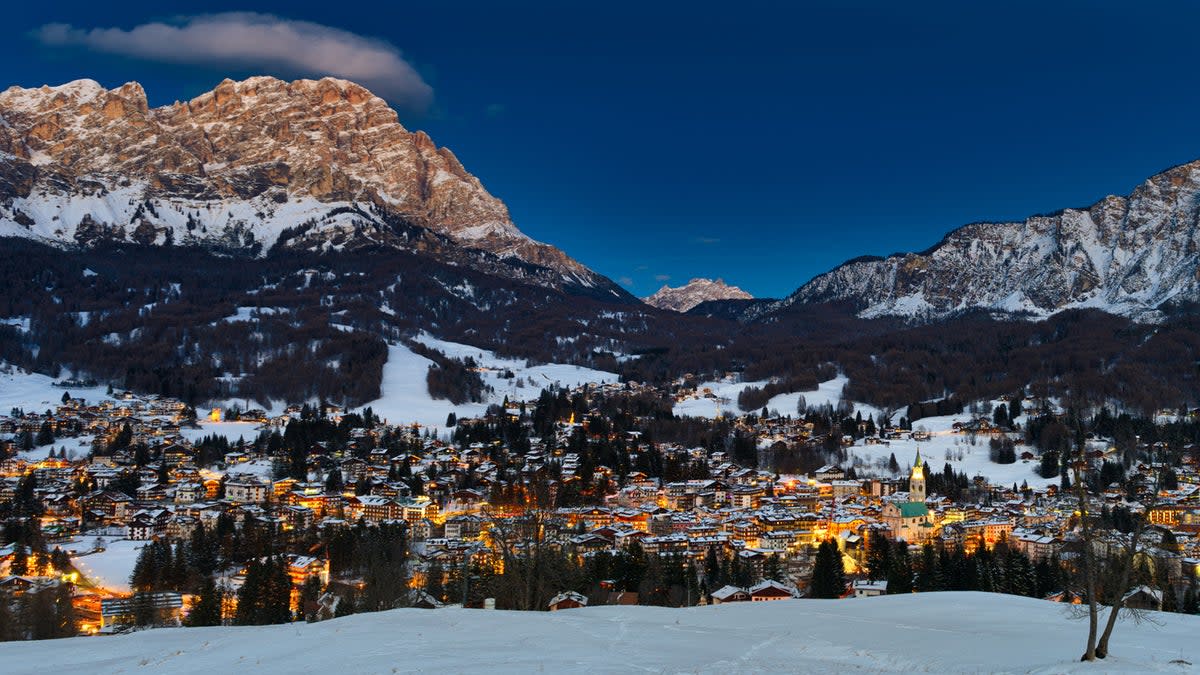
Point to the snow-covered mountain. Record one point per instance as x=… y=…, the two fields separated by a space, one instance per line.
x=924 y=632
x=1134 y=256
x=693 y=293
x=314 y=165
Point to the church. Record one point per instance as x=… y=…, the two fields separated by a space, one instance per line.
x=911 y=520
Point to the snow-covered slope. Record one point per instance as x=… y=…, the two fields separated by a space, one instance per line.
x=1125 y=255
x=693 y=293
x=312 y=164
x=406 y=397
x=931 y=632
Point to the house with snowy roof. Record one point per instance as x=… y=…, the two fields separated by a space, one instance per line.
x=567 y=600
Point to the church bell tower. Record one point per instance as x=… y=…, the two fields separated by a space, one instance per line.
x=916 y=482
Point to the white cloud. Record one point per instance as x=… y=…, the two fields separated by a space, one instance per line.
x=662 y=277
x=251 y=40
x=625 y=281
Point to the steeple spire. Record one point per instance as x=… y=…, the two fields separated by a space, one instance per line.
x=916 y=482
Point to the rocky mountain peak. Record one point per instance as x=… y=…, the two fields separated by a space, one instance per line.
x=693 y=293
x=240 y=165
x=1135 y=255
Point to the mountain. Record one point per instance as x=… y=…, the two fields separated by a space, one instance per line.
x=945 y=632
x=1137 y=256
x=693 y=293
x=249 y=167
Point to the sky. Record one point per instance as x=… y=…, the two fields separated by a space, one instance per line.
x=759 y=142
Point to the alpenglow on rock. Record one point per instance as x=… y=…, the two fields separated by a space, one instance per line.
x=693 y=293
x=310 y=164
x=1136 y=256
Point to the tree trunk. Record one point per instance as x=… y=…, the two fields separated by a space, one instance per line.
x=1118 y=594
x=1089 y=572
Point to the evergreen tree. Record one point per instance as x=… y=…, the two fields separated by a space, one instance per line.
x=310 y=599
x=927 y=572
x=434 y=577
x=333 y=482
x=8 y=619
x=144 y=613
x=249 y=595
x=345 y=606
x=772 y=569
x=65 y=621
x=20 y=561
x=879 y=556
x=1191 y=604
x=45 y=435
x=207 y=610
x=900 y=575
x=712 y=569
x=829 y=574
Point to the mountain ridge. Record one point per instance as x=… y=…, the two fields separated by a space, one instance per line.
x=1137 y=256
x=324 y=162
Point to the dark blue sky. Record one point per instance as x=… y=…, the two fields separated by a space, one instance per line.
x=759 y=142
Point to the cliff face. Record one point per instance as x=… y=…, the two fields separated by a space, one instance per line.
x=1134 y=256
x=314 y=164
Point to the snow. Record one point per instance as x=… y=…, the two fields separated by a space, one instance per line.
x=725 y=402
x=944 y=445
x=247 y=314
x=828 y=392
x=726 y=393
x=109 y=568
x=929 y=632
x=229 y=430
x=260 y=468
x=20 y=322
x=57 y=215
x=406 y=399
x=35 y=392
x=75 y=446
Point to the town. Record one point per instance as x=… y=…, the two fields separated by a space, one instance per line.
x=134 y=511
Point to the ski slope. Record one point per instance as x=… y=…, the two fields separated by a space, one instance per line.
x=406 y=398
x=931 y=632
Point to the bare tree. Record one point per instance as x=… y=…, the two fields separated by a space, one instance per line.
x=1087 y=555
x=535 y=567
x=1109 y=579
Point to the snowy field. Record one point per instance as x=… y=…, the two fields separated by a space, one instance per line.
x=406 y=399
x=943 y=445
x=259 y=467
x=34 y=392
x=946 y=446
x=726 y=393
x=725 y=403
x=826 y=393
x=931 y=632
x=230 y=430
x=109 y=568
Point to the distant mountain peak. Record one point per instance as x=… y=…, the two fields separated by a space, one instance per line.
x=694 y=292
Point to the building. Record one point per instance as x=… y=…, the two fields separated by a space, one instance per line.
x=911 y=520
x=567 y=600
x=729 y=594
x=866 y=588
x=769 y=590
